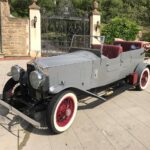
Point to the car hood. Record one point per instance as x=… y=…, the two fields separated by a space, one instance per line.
x=66 y=59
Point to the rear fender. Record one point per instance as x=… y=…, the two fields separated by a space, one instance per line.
x=141 y=67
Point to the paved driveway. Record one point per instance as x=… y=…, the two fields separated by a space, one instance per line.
x=122 y=123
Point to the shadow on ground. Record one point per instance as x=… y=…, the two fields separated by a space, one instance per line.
x=98 y=102
x=14 y=120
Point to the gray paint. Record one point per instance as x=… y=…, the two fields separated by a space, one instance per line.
x=85 y=70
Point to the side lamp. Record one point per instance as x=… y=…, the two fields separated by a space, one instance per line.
x=97 y=26
x=34 y=21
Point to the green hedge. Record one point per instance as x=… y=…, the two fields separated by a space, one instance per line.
x=120 y=28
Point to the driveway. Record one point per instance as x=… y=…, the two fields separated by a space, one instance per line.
x=122 y=123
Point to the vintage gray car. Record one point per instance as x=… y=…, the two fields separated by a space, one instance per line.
x=52 y=84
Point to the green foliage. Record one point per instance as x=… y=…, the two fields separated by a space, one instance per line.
x=137 y=10
x=19 y=8
x=84 y=5
x=120 y=28
x=146 y=37
x=47 y=4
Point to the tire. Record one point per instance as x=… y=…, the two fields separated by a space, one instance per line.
x=11 y=89
x=8 y=90
x=144 y=79
x=61 y=112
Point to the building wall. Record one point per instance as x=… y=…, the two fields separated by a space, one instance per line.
x=15 y=33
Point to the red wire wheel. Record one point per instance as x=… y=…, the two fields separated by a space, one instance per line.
x=144 y=79
x=65 y=111
x=61 y=112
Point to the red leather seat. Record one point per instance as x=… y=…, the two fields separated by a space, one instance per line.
x=110 y=51
x=129 y=45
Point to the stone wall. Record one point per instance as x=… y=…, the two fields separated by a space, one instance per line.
x=15 y=33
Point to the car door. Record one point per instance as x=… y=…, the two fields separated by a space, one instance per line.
x=113 y=69
x=125 y=63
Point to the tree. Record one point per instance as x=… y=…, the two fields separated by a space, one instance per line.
x=19 y=8
x=137 y=10
x=120 y=28
x=110 y=9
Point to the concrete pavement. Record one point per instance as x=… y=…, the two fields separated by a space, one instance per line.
x=122 y=123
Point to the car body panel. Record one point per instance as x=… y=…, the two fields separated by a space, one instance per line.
x=66 y=59
x=85 y=70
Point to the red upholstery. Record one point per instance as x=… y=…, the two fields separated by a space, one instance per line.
x=128 y=45
x=110 y=51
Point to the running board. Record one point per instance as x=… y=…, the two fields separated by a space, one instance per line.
x=25 y=117
x=96 y=96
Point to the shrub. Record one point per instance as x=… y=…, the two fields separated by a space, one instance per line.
x=120 y=28
x=146 y=37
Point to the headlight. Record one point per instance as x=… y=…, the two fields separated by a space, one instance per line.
x=36 y=79
x=15 y=72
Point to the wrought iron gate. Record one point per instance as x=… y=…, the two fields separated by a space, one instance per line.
x=58 y=30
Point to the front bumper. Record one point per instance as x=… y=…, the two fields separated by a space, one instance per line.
x=25 y=117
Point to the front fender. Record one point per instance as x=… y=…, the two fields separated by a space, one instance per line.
x=8 y=85
x=56 y=89
x=59 y=88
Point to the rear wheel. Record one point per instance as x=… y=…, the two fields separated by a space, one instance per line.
x=144 y=79
x=61 y=112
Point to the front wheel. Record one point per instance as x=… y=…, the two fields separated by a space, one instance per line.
x=9 y=89
x=10 y=92
x=61 y=112
x=144 y=79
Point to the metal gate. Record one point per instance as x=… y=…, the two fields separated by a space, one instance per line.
x=58 y=29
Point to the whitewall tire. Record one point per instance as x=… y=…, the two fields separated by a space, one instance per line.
x=61 y=112
x=144 y=79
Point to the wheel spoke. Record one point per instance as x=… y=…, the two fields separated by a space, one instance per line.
x=65 y=111
x=144 y=78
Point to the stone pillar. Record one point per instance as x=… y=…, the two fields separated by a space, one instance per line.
x=35 y=30
x=95 y=21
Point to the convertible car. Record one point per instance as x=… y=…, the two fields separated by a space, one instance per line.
x=52 y=84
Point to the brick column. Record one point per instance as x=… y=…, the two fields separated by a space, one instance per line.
x=95 y=21
x=4 y=12
x=35 y=30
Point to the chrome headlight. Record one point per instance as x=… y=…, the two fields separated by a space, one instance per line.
x=36 y=79
x=15 y=72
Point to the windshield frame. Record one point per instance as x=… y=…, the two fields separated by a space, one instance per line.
x=99 y=40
